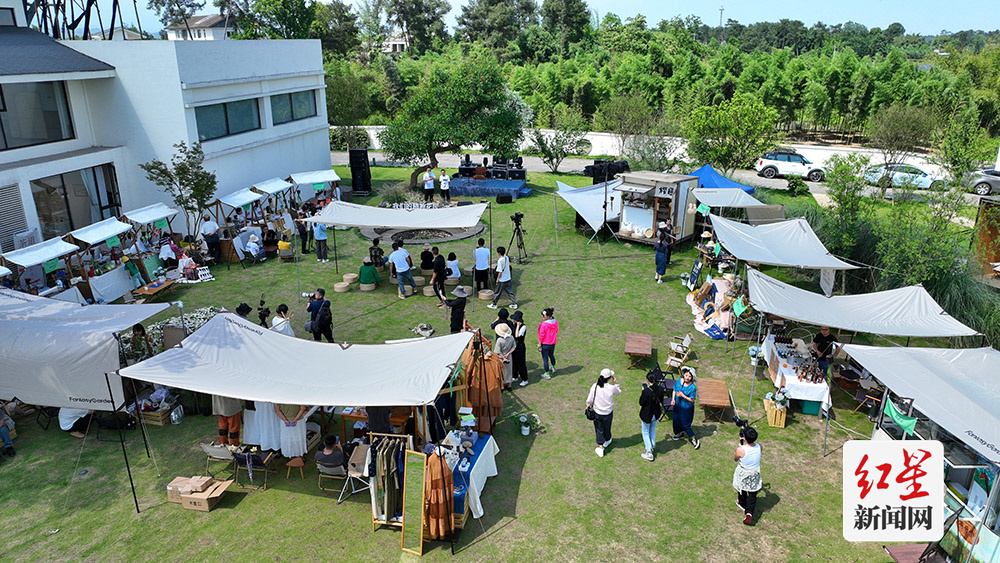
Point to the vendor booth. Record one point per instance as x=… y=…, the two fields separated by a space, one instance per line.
x=279 y=194
x=234 y=231
x=105 y=275
x=318 y=184
x=789 y=243
x=42 y=268
x=647 y=198
x=154 y=232
x=949 y=395
x=597 y=205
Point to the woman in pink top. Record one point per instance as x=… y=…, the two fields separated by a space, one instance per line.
x=548 y=331
x=602 y=399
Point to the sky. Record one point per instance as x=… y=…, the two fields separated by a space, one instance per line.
x=926 y=17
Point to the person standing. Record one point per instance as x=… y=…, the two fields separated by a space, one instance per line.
x=481 y=272
x=746 y=477
x=293 y=431
x=282 y=322
x=520 y=352
x=548 y=335
x=666 y=232
x=315 y=304
x=230 y=413
x=428 y=180
x=376 y=253
x=457 y=306
x=602 y=400
x=685 y=392
x=650 y=409
x=505 y=282
x=324 y=323
x=319 y=233
x=445 y=186
x=210 y=232
x=660 y=249
x=824 y=343
x=302 y=229
x=400 y=266
x=437 y=278
x=504 y=348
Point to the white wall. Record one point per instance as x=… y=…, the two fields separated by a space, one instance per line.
x=18 y=6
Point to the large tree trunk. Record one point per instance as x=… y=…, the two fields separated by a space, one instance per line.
x=432 y=154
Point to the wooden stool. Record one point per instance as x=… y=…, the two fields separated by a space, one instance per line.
x=351 y=278
x=407 y=291
x=419 y=280
x=367 y=287
x=380 y=268
x=486 y=295
x=426 y=272
x=429 y=291
x=392 y=279
x=293 y=463
x=469 y=270
x=452 y=281
x=341 y=287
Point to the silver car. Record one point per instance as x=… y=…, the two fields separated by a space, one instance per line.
x=986 y=182
x=903 y=174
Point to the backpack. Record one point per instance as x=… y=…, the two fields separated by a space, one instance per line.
x=325 y=318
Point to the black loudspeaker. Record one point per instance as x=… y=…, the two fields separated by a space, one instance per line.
x=361 y=174
x=517 y=174
x=505 y=198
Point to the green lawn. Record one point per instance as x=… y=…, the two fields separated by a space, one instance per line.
x=553 y=499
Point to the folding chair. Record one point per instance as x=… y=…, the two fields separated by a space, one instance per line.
x=112 y=422
x=866 y=398
x=250 y=463
x=355 y=473
x=667 y=385
x=48 y=413
x=918 y=553
x=216 y=453
x=334 y=472
x=679 y=352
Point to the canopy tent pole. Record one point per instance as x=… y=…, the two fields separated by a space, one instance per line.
x=826 y=428
x=336 y=264
x=295 y=254
x=121 y=439
x=555 y=218
x=753 y=380
x=982 y=521
x=135 y=394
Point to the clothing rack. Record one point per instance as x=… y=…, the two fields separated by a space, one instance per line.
x=373 y=479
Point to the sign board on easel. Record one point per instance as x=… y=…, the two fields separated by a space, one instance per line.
x=695 y=274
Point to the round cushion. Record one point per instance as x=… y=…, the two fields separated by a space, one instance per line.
x=452 y=281
x=392 y=279
x=429 y=291
x=486 y=295
x=407 y=290
x=341 y=287
x=351 y=278
x=419 y=280
x=468 y=270
x=367 y=287
x=426 y=272
x=380 y=268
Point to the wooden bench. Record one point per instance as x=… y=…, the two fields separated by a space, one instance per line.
x=714 y=396
x=638 y=347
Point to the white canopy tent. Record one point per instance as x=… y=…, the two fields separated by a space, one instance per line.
x=233 y=357
x=150 y=214
x=5 y=271
x=101 y=231
x=788 y=243
x=314 y=177
x=353 y=215
x=589 y=201
x=239 y=198
x=272 y=187
x=956 y=388
x=41 y=253
x=725 y=198
x=56 y=353
x=907 y=311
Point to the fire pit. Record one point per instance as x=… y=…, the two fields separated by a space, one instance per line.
x=430 y=236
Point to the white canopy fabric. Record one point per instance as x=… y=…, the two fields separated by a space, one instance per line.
x=56 y=353
x=315 y=177
x=725 y=197
x=233 y=357
x=958 y=389
x=5 y=271
x=907 y=311
x=273 y=186
x=239 y=198
x=788 y=243
x=41 y=253
x=354 y=215
x=101 y=231
x=589 y=201
x=150 y=213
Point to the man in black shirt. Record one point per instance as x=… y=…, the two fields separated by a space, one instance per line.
x=331 y=454
x=826 y=350
x=437 y=278
x=457 y=309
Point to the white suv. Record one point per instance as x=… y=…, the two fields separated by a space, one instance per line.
x=787 y=162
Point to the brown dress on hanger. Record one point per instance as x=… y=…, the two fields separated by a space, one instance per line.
x=439 y=494
x=485 y=387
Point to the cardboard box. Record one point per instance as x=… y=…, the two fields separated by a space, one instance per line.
x=196 y=484
x=207 y=499
x=174 y=489
x=156 y=418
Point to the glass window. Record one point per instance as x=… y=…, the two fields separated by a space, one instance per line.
x=281 y=109
x=289 y=107
x=220 y=120
x=33 y=113
x=68 y=201
x=303 y=104
x=7 y=17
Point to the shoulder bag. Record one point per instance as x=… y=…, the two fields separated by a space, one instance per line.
x=589 y=411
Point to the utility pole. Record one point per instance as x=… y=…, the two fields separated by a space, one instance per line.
x=721 y=9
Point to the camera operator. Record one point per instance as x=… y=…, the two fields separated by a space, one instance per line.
x=746 y=476
x=263 y=313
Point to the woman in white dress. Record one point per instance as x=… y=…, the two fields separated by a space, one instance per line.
x=293 y=429
x=282 y=322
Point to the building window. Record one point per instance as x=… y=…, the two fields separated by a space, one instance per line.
x=33 y=113
x=230 y=118
x=7 y=17
x=69 y=201
x=289 y=107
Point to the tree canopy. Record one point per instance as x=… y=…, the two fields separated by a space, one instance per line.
x=732 y=134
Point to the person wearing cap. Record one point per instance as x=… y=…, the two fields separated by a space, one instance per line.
x=210 y=232
x=445 y=186
x=685 y=392
x=457 y=307
x=650 y=409
x=503 y=317
x=746 y=477
x=504 y=348
x=368 y=273
x=133 y=273
x=243 y=310
x=602 y=400
x=520 y=351
x=253 y=248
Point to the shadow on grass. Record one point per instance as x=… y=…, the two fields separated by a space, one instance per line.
x=766 y=501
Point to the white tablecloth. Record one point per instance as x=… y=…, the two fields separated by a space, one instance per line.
x=111 y=285
x=801 y=390
x=485 y=467
x=71 y=295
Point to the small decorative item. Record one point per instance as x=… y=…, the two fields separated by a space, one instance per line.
x=781 y=399
x=528 y=421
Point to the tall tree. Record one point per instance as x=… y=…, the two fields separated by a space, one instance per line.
x=567 y=20
x=732 y=134
x=346 y=93
x=173 y=12
x=495 y=22
x=371 y=29
x=276 y=19
x=624 y=116
x=420 y=21
x=454 y=108
x=186 y=180
x=336 y=26
x=896 y=131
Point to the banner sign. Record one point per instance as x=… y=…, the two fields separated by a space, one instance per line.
x=161 y=224
x=113 y=242
x=51 y=266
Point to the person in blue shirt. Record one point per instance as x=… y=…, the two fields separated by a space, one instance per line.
x=481 y=273
x=428 y=180
x=401 y=266
x=319 y=233
x=685 y=392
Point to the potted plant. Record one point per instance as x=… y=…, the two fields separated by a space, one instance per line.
x=529 y=422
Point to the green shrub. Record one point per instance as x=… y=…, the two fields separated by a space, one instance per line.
x=345 y=138
x=797 y=186
x=398 y=192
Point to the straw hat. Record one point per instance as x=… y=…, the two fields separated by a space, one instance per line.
x=710 y=244
x=661 y=225
x=706 y=234
x=502 y=330
x=459 y=292
x=729 y=277
x=253 y=238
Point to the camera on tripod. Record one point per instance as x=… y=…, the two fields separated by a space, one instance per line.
x=516 y=218
x=263 y=312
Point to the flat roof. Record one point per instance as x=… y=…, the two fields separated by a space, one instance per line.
x=26 y=51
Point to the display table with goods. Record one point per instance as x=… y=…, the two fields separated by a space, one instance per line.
x=470 y=473
x=793 y=368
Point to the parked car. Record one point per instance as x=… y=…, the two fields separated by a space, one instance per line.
x=986 y=182
x=903 y=174
x=788 y=162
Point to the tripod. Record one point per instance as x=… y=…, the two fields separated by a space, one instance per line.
x=522 y=254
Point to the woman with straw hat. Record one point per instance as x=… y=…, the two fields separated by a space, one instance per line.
x=504 y=347
x=457 y=307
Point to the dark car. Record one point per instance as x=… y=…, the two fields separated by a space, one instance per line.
x=986 y=182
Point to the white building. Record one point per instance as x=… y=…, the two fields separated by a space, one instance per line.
x=120 y=34
x=395 y=43
x=200 y=28
x=77 y=117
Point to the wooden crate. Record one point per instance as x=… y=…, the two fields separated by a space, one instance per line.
x=775 y=416
x=158 y=418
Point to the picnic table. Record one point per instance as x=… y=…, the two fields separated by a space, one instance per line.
x=151 y=289
x=714 y=396
x=638 y=347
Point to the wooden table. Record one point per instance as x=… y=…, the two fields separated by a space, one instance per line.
x=398 y=418
x=151 y=291
x=714 y=396
x=638 y=347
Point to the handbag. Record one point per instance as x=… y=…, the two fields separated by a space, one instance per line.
x=309 y=326
x=589 y=411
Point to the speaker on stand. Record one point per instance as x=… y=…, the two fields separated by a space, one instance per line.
x=361 y=174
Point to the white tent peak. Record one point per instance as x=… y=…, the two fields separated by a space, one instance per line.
x=589 y=201
x=98 y=232
x=41 y=252
x=150 y=213
x=788 y=243
x=725 y=197
x=344 y=214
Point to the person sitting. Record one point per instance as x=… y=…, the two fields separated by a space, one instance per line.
x=427 y=258
x=74 y=421
x=6 y=425
x=331 y=459
x=368 y=272
x=254 y=249
x=452 y=264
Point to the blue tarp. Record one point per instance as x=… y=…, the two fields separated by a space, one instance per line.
x=709 y=178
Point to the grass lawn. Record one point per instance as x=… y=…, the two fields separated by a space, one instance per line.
x=553 y=499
